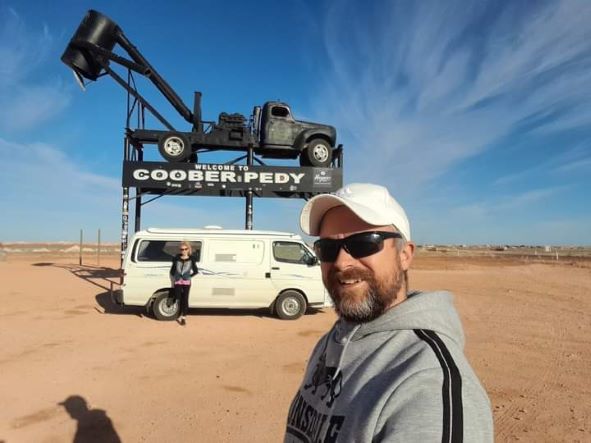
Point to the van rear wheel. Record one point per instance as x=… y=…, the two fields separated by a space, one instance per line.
x=165 y=307
x=290 y=305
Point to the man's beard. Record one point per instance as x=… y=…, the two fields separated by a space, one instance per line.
x=376 y=300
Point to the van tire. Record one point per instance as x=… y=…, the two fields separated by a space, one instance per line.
x=160 y=307
x=290 y=305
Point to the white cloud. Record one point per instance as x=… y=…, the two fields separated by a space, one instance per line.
x=575 y=166
x=40 y=175
x=21 y=50
x=569 y=161
x=506 y=219
x=49 y=196
x=28 y=106
x=507 y=204
x=422 y=86
x=25 y=100
x=418 y=88
x=525 y=199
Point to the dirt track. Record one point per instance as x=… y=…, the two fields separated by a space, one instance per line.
x=230 y=376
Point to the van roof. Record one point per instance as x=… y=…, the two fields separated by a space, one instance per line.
x=216 y=231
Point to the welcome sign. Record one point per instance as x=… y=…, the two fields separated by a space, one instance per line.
x=226 y=179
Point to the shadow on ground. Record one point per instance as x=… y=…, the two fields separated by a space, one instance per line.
x=261 y=313
x=108 y=278
x=100 y=276
x=106 y=302
x=110 y=307
x=93 y=425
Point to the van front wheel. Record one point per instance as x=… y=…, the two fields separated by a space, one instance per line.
x=165 y=307
x=290 y=305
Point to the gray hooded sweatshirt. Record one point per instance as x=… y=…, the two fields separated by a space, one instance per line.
x=402 y=377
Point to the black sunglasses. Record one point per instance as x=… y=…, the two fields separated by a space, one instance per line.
x=357 y=245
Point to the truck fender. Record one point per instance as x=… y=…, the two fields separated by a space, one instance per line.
x=309 y=134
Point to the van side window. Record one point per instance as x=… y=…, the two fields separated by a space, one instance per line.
x=164 y=250
x=290 y=252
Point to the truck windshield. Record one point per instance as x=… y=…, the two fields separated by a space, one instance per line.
x=279 y=111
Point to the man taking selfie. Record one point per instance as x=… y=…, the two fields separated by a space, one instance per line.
x=392 y=367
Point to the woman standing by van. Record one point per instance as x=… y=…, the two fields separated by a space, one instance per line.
x=183 y=268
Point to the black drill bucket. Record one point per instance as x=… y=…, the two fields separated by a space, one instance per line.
x=95 y=29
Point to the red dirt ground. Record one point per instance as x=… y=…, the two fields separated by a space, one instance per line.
x=229 y=376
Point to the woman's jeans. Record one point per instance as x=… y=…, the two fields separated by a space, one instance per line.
x=181 y=293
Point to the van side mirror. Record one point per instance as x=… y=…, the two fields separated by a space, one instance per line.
x=311 y=260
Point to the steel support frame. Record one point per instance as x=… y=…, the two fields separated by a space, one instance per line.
x=134 y=151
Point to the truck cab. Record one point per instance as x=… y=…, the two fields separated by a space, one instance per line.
x=282 y=136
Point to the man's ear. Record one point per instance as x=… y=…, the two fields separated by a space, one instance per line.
x=406 y=255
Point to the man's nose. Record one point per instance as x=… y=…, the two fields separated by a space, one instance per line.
x=344 y=259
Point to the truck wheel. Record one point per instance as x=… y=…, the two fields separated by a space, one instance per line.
x=290 y=305
x=165 y=307
x=319 y=153
x=174 y=147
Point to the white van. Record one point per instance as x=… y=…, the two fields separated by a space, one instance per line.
x=237 y=269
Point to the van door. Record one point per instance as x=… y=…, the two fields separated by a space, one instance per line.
x=291 y=268
x=233 y=274
x=148 y=268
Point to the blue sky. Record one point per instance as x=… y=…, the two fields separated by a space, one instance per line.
x=476 y=115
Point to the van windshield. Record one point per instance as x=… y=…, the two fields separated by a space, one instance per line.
x=164 y=250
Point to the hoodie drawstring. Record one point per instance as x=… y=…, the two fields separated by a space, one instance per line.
x=345 y=346
x=337 y=372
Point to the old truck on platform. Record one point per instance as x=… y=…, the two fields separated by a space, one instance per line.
x=271 y=131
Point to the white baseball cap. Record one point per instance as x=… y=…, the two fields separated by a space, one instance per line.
x=371 y=203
